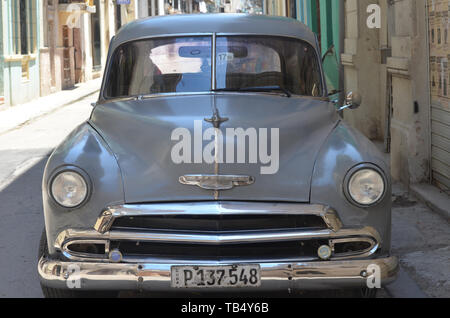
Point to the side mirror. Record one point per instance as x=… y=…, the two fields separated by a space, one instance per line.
x=352 y=101
x=330 y=51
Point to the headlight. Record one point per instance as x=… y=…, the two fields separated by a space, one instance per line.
x=366 y=186
x=69 y=189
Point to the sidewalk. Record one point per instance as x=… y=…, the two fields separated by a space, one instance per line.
x=18 y=115
x=420 y=238
x=435 y=199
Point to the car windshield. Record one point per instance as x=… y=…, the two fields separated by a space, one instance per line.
x=242 y=63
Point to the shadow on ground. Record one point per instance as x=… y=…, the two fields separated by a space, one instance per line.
x=20 y=230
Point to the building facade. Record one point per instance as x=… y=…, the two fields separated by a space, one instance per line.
x=395 y=54
x=19 y=58
x=438 y=26
x=76 y=36
x=405 y=98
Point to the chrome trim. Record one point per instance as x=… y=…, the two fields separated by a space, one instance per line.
x=216 y=239
x=180 y=94
x=364 y=234
x=216 y=182
x=369 y=251
x=213 y=62
x=107 y=217
x=157 y=277
x=65 y=249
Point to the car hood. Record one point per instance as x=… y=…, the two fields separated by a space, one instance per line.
x=139 y=132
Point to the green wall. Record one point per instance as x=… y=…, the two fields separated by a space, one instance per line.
x=327 y=25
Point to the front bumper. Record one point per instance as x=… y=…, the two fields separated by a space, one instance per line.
x=157 y=277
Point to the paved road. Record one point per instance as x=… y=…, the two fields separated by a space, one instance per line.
x=420 y=237
x=23 y=154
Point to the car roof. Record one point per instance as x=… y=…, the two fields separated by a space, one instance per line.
x=221 y=23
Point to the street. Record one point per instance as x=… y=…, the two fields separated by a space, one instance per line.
x=420 y=237
x=24 y=152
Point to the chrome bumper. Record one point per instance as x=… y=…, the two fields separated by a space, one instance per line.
x=157 y=277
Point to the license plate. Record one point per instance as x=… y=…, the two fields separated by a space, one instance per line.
x=216 y=276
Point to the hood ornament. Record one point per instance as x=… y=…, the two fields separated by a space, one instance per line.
x=216 y=120
x=216 y=182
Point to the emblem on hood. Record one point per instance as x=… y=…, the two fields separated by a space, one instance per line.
x=216 y=120
x=216 y=182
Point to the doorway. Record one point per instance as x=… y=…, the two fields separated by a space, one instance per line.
x=96 y=37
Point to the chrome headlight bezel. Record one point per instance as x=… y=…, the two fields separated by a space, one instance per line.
x=359 y=168
x=73 y=169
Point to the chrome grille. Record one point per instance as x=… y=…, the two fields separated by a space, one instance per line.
x=218 y=223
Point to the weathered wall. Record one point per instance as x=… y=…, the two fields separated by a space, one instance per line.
x=361 y=60
x=439 y=25
x=86 y=47
x=389 y=68
x=44 y=71
x=408 y=67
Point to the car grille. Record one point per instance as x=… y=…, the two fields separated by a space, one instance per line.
x=217 y=231
x=219 y=223
x=242 y=251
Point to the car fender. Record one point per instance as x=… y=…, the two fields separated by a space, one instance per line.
x=344 y=149
x=84 y=149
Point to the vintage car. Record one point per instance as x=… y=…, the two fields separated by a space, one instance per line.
x=214 y=160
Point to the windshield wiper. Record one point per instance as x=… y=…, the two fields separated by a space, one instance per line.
x=256 y=89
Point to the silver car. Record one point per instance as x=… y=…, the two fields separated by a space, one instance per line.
x=214 y=160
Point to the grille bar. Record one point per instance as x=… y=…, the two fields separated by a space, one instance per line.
x=219 y=223
x=220 y=216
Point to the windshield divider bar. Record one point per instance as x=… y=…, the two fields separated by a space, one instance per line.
x=213 y=62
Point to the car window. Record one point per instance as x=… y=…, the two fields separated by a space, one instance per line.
x=155 y=66
x=184 y=64
x=256 y=61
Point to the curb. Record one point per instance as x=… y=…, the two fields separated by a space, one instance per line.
x=432 y=197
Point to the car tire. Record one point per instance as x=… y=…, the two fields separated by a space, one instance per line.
x=50 y=292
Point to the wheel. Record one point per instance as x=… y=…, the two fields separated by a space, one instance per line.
x=67 y=293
